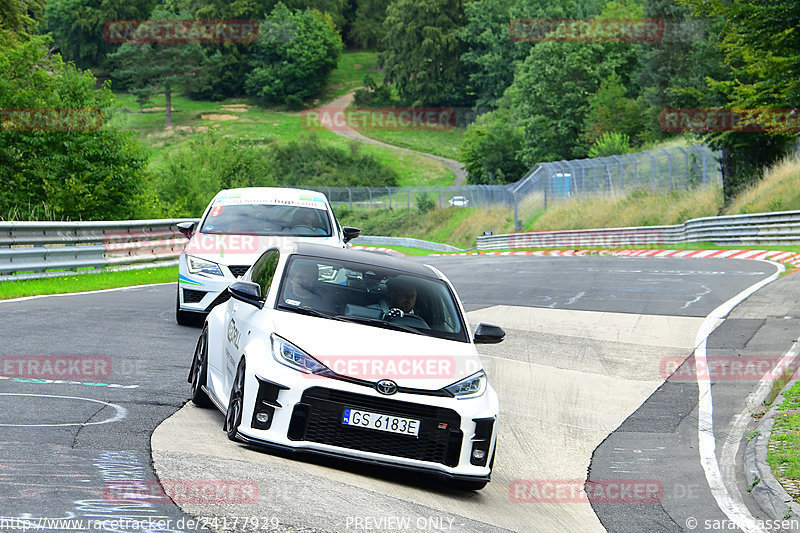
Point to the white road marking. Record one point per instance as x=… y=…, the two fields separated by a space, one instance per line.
x=735 y=511
x=121 y=412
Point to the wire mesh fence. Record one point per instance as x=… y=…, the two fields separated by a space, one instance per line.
x=677 y=168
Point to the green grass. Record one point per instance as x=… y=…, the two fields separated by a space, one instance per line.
x=405 y=250
x=639 y=207
x=441 y=142
x=349 y=73
x=783 y=453
x=256 y=123
x=87 y=282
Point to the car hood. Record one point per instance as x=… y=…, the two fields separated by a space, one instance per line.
x=374 y=353
x=242 y=249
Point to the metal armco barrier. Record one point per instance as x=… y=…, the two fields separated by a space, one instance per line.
x=45 y=249
x=773 y=229
x=407 y=242
x=31 y=250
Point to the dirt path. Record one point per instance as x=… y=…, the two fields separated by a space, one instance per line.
x=346 y=131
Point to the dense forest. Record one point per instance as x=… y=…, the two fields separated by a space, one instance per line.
x=539 y=95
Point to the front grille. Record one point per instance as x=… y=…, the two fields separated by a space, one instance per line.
x=318 y=418
x=192 y=297
x=239 y=270
x=221 y=299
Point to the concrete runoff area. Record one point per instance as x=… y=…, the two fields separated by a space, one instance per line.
x=566 y=379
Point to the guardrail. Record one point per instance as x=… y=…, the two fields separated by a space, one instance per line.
x=772 y=229
x=46 y=249
x=403 y=241
x=31 y=250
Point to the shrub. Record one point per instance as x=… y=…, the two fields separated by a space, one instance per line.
x=291 y=68
x=610 y=143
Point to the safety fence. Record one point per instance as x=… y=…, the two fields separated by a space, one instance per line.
x=676 y=168
x=761 y=229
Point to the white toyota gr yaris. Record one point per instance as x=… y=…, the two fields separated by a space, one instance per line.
x=352 y=354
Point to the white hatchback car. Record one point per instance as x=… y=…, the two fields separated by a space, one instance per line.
x=459 y=201
x=352 y=354
x=236 y=227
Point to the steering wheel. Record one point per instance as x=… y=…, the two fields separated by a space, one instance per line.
x=407 y=317
x=394 y=312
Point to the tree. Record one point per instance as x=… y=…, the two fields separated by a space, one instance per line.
x=292 y=57
x=551 y=96
x=422 y=52
x=490 y=148
x=78 y=26
x=491 y=55
x=611 y=111
x=60 y=150
x=153 y=68
x=19 y=18
x=672 y=72
x=762 y=50
x=367 y=30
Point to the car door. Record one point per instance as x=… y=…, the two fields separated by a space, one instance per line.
x=241 y=317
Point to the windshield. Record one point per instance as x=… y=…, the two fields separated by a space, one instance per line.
x=263 y=219
x=370 y=295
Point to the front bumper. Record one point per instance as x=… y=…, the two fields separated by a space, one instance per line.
x=305 y=415
x=200 y=293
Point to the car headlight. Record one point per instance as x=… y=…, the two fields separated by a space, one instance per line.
x=470 y=387
x=201 y=266
x=290 y=355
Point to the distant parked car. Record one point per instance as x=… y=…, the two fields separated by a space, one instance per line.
x=459 y=201
x=236 y=228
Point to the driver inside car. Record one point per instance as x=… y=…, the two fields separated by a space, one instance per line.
x=402 y=298
x=305 y=218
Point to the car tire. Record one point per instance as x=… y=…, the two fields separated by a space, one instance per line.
x=199 y=371
x=233 y=416
x=183 y=318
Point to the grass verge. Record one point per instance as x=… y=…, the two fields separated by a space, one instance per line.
x=639 y=208
x=783 y=452
x=779 y=190
x=86 y=282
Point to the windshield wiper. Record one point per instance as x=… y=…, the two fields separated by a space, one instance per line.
x=378 y=322
x=309 y=311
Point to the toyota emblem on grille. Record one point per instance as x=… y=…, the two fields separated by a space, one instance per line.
x=386 y=386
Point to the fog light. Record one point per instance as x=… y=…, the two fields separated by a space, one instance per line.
x=478 y=454
x=262 y=417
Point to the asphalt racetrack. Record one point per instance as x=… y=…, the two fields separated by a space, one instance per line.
x=589 y=341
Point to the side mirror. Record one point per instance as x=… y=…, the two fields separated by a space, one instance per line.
x=350 y=233
x=247 y=292
x=187 y=229
x=489 y=334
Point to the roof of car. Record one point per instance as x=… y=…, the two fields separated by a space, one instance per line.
x=359 y=256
